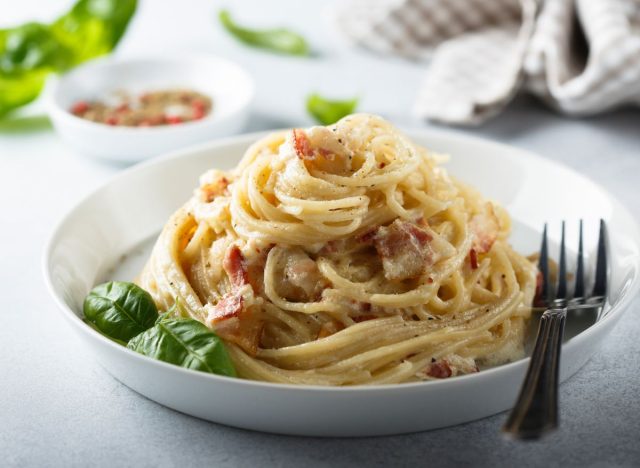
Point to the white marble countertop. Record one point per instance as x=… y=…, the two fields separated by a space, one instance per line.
x=59 y=408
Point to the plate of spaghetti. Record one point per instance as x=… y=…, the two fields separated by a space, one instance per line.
x=339 y=281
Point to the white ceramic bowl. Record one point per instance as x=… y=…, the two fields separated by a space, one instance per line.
x=229 y=86
x=88 y=245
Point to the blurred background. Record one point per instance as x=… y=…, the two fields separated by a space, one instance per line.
x=385 y=85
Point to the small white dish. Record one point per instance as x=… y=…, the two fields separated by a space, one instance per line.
x=229 y=86
x=92 y=241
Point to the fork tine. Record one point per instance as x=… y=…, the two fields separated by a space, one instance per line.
x=561 y=292
x=578 y=291
x=544 y=295
x=600 y=284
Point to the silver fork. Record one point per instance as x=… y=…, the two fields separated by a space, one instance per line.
x=536 y=410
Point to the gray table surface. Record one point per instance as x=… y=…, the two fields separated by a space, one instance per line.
x=59 y=408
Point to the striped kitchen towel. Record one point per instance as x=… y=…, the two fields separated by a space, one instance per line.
x=580 y=56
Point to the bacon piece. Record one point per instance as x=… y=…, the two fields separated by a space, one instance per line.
x=405 y=250
x=473 y=259
x=234 y=265
x=302 y=145
x=439 y=369
x=240 y=325
x=367 y=237
x=485 y=227
x=321 y=149
x=421 y=235
x=234 y=321
x=229 y=306
x=211 y=190
x=230 y=318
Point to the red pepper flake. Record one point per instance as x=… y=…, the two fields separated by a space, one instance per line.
x=80 y=108
x=198 y=113
x=198 y=104
x=199 y=108
x=381 y=165
x=122 y=108
x=173 y=119
x=111 y=121
x=473 y=258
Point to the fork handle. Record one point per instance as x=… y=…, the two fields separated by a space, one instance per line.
x=536 y=410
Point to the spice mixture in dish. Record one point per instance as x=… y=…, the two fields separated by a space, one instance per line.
x=160 y=107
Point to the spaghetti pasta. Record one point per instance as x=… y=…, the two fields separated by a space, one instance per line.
x=345 y=255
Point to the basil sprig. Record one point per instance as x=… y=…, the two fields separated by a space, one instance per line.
x=127 y=314
x=278 y=40
x=326 y=111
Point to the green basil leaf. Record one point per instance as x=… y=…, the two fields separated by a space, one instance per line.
x=93 y=27
x=120 y=342
x=30 y=52
x=186 y=343
x=20 y=89
x=120 y=310
x=327 y=111
x=32 y=46
x=278 y=40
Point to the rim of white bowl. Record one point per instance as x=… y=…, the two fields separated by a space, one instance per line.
x=54 y=107
x=613 y=314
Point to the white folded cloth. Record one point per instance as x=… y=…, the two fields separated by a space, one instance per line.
x=580 y=56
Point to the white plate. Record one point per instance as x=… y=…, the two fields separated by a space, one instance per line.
x=229 y=86
x=89 y=243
